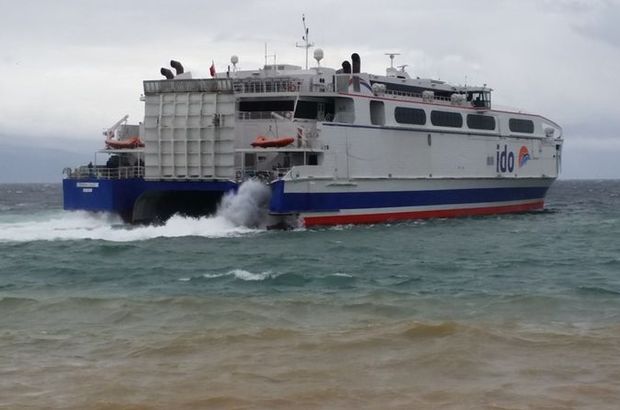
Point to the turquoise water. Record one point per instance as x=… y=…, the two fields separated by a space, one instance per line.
x=514 y=311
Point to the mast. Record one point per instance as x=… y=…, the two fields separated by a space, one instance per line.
x=307 y=44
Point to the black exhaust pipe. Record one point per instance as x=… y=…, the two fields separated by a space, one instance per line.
x=166 y=73
x=355 y=58
x=177 y=66
x=346 y=67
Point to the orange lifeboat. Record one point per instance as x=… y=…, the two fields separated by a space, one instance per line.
x=264 y=142
x=132 y=142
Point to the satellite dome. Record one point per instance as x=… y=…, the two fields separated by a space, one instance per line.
x=318 y=54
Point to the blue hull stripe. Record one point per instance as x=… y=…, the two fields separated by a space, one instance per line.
x=120 y=195
x=323 y=202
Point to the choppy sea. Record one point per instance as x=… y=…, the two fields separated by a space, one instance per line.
x=501 y=312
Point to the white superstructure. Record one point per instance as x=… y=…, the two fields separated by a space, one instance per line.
x=353 y=134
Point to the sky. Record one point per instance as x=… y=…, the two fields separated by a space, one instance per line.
x=69 y=69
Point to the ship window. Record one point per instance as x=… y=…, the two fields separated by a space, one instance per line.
x=344 y=110
x=480 y=122
x=377 y=113
x=266 y=105
x=518 y=125
x=415 y=116
x=306 y=110
x=446 y=119
x=250 y=160
x=480 y=99
x=314 y=110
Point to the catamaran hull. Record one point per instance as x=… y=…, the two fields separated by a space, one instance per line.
x=314 y=203
x=137 y=200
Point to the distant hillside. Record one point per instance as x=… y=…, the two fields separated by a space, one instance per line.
x=37 y=160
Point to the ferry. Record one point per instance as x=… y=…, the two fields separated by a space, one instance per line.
x=335 y=146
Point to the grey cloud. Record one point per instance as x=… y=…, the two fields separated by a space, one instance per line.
x=604 y=25
x=71 y=67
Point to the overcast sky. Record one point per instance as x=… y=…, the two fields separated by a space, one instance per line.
x=70 y=68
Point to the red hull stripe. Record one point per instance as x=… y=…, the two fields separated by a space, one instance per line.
x=400 y=216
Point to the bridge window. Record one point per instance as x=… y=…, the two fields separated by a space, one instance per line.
x=414 y=116
x=519 y=125
x=446 y=119
x=480 y=122
x=480 y=99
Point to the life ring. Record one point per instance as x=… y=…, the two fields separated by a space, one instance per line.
x=292 y=87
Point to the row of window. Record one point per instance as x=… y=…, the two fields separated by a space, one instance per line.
x=416 y=116
x=402 y=115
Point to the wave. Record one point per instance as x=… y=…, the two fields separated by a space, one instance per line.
x=422 y=330
x=278 y=278
x=82 y=225
x=243 y=275
x=239 y=274
x=238 y=214
x=598 y=290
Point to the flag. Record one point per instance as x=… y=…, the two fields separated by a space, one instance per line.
x=212 y=68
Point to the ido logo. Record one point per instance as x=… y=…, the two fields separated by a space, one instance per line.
x=505 y=160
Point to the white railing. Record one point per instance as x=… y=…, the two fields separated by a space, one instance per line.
x=434 y=99
x=409 y=94
x=268 y=85
x=262 y=115
x=243 y=174
x=103 y=172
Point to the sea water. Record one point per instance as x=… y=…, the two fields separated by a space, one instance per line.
x=500 y=312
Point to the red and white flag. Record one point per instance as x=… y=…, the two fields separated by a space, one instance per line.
x=212 y=68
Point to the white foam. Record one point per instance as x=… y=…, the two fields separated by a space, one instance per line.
x=242 y=275
x=239 y=214
x=245 y=275
x=248 y=206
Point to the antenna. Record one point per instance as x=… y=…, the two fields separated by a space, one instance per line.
x=392 y=55
x=307 y=44
x=270 y=55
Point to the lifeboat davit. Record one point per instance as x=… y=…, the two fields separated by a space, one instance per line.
x=131 y=142
x=264 y=142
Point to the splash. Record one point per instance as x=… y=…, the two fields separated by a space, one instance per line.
x=248 y=206
x=240 y=213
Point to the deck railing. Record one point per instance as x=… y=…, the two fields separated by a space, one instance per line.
x=262 y=115
x=267 y=85
x=103 y=172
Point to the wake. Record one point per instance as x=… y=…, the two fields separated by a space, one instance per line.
x=241 y=213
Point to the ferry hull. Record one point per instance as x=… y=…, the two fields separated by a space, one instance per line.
x=137 y=200
x=359 y=203
x=102 y=195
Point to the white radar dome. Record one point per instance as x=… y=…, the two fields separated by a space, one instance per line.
x=318 y=55
x=234 y=59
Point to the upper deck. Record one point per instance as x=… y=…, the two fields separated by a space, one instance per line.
x=322 y=82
